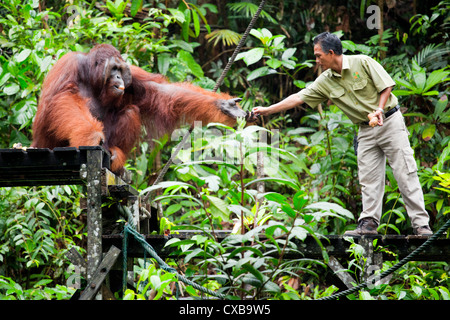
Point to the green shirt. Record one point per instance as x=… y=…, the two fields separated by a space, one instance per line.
x=356 y=91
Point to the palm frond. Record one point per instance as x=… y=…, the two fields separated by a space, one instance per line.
x=433 y=56
x=228 y=37
x=249 y=9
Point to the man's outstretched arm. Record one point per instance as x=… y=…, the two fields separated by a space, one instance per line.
x=290 y=102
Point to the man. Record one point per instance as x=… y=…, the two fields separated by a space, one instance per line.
x=360 y=86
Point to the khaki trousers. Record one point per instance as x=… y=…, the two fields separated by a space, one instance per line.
x=389 y=141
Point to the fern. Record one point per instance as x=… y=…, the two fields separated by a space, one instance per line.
x=249 y=9
x=433 y=56
x=228 y=37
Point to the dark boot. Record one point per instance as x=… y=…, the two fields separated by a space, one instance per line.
x=366 y=226
x=423 y=231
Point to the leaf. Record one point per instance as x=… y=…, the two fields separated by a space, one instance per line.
x=256 y=33
x=417 y=290
x=434 y=78
x=155 y=281
x=431 y=93
x=445 y=293
x=196 y=23
x=341 y=144
x=271 y=287
x=164 y=63
x=328 y=206
x=255 y=272
x=276 y=197
x=290 y=64
x=277 y=42
x=274 y=63
x=11 y=89
x=260 y=72
x=193 y=66
x=242 y=249
x=193 y=254
x=42 y=282
x=288 y=53
x=420 y=78
x=300 y=84
x=170 y=242
x=428 y=133
x=443 y=157
x=199 y=239
x=440 y=106
x=288 y=210
x=252 y=56
x=300 y=199
x=349 y=45
x=186 y=46
x=290 y=183
x=23 y=55
x=402 y=93
x=167 y=184
x=228 y=37
x=136 y=5
x=299 y=232
x=185 y=25
x=218 y=208
x=213 y=182
x=405 y=83
x=270 y=231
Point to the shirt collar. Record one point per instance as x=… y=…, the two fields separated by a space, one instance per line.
x=345 y=65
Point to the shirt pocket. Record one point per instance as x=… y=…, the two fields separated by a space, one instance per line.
x=359 y=85
x=336 y=92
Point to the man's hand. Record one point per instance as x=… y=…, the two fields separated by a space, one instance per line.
x=290 y=102
x=376 y=118
x=261 y=111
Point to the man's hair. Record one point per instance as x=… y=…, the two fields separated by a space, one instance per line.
x=329 y=41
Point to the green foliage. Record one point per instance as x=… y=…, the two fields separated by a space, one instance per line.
x=213 y=191
x=416 y=281
x=11 y=290
x=249 y=9
x=152 y=284
x=275 y=54
x=37 y=228
x=418 y=83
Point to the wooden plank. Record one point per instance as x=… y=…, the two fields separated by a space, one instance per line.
x=94 y=210
x=75 y=257
x=100 y=274
x=338 y=270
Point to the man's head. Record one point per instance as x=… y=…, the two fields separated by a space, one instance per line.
x=327 y=47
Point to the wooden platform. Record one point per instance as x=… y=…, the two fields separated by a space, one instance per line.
x=41 y=167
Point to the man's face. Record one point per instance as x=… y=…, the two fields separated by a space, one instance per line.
x=324 y=60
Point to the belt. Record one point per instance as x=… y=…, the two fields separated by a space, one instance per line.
x=387 y=114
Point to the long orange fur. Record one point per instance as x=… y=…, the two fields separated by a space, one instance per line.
x=64 y=118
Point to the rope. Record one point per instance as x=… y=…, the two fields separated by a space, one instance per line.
x=395 y=267
x=218 y=84
x=172 y=157
x=139 y=238
x=239 y=46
